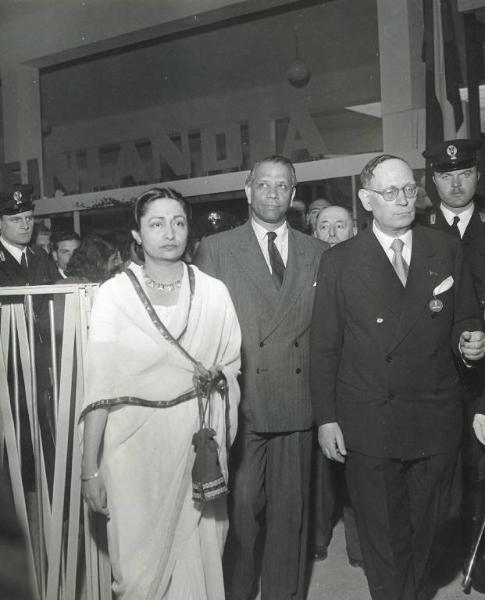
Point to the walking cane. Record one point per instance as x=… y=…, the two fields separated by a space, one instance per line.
x=467 y=580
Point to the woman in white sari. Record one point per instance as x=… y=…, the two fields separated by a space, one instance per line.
x=141 y=412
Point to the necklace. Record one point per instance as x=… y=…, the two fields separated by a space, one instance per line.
x=158 y=285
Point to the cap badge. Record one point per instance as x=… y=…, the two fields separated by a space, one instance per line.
x=451 y=151
x=17 y=196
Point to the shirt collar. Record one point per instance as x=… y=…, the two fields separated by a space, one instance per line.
x=261 y=232
x=465 y=215
x=13 y=250
x=386 y=240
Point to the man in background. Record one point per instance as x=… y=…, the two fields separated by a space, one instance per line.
x=21 y=264
x=314 y=209
x=455 y=175
x=334 y=225
x=64 y=245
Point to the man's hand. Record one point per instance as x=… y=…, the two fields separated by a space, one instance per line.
x=332 y=442
x=479 y=427
x=472 y=345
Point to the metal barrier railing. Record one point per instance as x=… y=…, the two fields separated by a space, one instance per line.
x=43 y=336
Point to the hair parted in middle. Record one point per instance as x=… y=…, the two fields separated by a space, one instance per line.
x=144 y=200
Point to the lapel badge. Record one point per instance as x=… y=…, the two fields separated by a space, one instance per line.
x=435 y=305
x=379 y=320
x=17 y=196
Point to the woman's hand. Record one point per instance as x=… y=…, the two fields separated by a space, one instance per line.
x=94 y=493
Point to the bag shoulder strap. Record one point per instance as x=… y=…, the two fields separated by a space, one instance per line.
x=153 y=314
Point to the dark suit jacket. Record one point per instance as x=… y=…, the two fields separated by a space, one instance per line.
x=383 y=365
x=275 y=323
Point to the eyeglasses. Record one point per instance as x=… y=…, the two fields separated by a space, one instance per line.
x=391 y=193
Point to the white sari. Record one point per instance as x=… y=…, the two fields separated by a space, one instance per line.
x=162 y=544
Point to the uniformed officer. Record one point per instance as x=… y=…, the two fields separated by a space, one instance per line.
x=456 y=174
x=21 y=264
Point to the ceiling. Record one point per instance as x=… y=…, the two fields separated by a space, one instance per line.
x=243 y=54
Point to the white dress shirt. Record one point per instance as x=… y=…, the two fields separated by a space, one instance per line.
x=465 y=216
x=386 y=240
x=14 y=251
x=281 y=241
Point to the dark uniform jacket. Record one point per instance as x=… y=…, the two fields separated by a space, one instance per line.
x=383 y=365
x=41 y=271
x=472 y=243
x=274 y=323
x=473 y=380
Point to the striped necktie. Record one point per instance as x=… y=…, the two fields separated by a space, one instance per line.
x=277 y=264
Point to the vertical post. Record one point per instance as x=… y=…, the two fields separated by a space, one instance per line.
x=77 y=222
x=55 y=380
x=354 y=202
x=36 y=443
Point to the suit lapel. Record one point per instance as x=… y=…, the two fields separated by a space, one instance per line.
x=249 y=256
x=296 y=280
x=424 y=276
x=375 y=270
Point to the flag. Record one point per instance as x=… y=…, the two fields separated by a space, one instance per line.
x=444 y=111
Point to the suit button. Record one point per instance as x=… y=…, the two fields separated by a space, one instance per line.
x=389 y=358
x=390 y=396
x=257 y=370
x=296 y=344
x=261 y=344
x=298 y=371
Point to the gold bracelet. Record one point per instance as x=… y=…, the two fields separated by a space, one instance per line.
x=89 y=477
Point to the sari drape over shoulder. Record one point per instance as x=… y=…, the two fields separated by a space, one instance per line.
x=162 y=544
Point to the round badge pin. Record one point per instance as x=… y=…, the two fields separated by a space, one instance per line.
x=435 y=305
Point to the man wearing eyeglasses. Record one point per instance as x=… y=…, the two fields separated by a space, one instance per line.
x=394 y=312
x=455 y=176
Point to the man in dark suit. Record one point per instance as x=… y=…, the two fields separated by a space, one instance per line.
x=270 y=271
x=455 y=174
x=394 y=313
